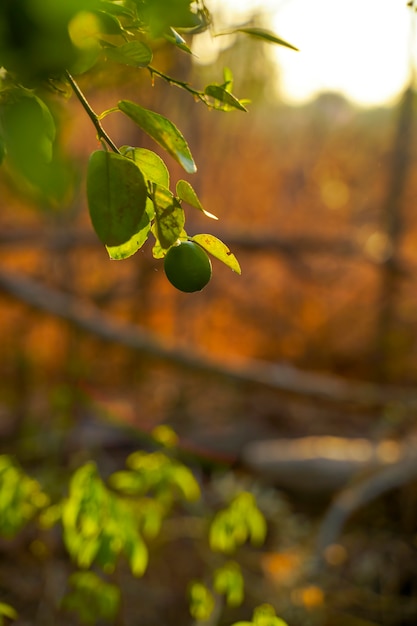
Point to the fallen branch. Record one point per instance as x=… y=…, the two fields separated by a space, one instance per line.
x=287 y=246
x=283 y=378
x=355 y=497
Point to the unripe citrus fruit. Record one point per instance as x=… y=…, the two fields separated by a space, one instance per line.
x=187 y=266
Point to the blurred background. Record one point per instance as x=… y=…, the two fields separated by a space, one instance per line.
x=315 y=190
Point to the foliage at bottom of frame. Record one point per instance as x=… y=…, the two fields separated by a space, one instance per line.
x=103 y=522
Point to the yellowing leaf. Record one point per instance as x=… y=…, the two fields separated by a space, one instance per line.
x=186 y=193
x=219 y=250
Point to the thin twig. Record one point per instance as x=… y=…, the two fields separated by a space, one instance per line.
x=91 y=114
x=355 y=497
x=179 y=83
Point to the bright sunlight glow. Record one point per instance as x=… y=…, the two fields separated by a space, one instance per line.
x=360 y=48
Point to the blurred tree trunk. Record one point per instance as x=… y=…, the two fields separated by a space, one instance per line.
x=392 y=223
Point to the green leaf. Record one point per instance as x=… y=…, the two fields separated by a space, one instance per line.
x=186 y=193
x=116 y=193
x=28 y=131
x=127 y=249
x=154 y=170
x=228 y=580
x=220 y=93
x=92 y=598
x=21 y=497
x=134 y=53
x=159 y=15
x=151 y=165
x=257 y=526
x=201 y=601
x=265 y=35
x=138 y=557
x=115 y=9
x=111 y=25
x=219 y=250
x=183 y=478
x=175 y=38
x=264 y=615
x=7 y=611
x=169 y=216
x=163 y=131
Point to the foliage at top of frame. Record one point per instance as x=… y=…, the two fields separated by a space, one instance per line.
x=40 y=39
x=44 y=43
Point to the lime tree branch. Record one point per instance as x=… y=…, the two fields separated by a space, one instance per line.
x=178 y=83
x=101 y=133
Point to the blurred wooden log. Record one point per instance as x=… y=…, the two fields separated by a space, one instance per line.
x=282 y=378
x=288 y=246
x=319 y=465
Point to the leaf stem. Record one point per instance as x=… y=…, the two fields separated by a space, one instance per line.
x=91 y=114
x=178 y=83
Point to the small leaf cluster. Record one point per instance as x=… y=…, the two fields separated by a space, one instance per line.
x=228 y=583
x=21 y=497
x=7 y=612
x=98 y=525
x=157 y=475
x=92 y=598
x=263 y=615
x=240 y=522
x=101 y=524
x=139 y=179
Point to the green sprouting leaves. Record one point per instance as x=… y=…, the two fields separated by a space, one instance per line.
x=219 y=250
x=228 y=581
x=163 y=131
x=201 y=601
x=116 y=193
x=158 y=475
x=8 y=612
x=240 y=522
x=92 y=598
x=98 y=525
x=21 y=497
x=231 y=528
x=263 y=615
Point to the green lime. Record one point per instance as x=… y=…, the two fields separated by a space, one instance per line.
x=187 y=266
